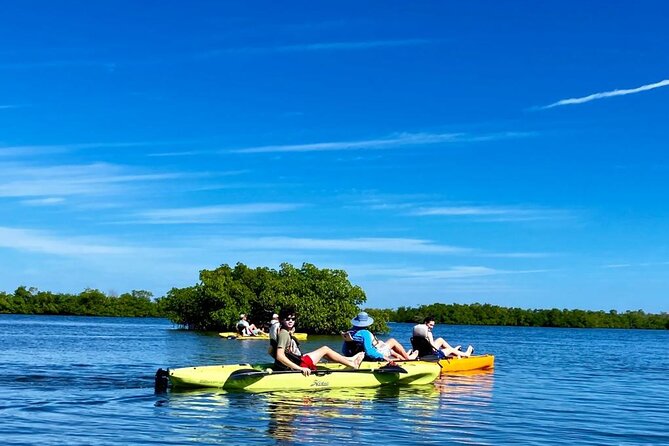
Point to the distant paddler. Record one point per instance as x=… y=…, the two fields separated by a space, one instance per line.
x=246 y=329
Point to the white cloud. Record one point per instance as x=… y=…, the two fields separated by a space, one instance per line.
x=49 y=149
x=58 y=64
x=66 y=180
x=360 y=45
x=50 y=201
x=452 y=273
x=634 y=265
x=183 y=153
x=608 y=94
x=42 y=242
x=363 y=244
x=360 y=244
x=396 y=140
x=403 y=139
x=87 y=145
x=212 y=214
x=323 y=46
x=492 y=213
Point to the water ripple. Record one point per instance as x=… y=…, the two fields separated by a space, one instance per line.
x=89 y=381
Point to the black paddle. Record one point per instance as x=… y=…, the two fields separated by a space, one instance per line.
x=251 y=373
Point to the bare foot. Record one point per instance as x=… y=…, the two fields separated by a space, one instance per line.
x=414 y=355
x=357 y=359
x=469 y=351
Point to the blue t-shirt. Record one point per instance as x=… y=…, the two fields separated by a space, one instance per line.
x=366 y=339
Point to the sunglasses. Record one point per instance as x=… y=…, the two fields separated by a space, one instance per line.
x=291 y=318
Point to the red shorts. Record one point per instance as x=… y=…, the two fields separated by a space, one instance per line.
x=307 y=362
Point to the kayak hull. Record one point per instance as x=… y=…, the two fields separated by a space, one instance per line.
x=264 y=336
x=203 y=376
x=468 y=364
x=328 y=376
x=418 y=372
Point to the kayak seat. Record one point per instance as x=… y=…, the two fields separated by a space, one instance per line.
x=423 y=346
x=351 y=347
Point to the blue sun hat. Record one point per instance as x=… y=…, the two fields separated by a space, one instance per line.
x=362 y=320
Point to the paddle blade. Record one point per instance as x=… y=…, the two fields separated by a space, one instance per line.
x=390 y=368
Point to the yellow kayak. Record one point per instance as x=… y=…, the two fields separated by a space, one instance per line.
x=477 y=362
x=265 y=336
x=328 y=376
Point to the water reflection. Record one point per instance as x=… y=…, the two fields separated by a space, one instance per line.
x=304 y=416
x=475 y=384
x=451 y=406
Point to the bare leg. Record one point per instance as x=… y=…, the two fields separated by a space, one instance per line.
x=254 y=330
x=327 y=352
x=398 y=348
x=448 y=350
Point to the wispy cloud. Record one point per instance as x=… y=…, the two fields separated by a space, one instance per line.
x=320 y=46
x=363 y=244
x=46 y=243
x=66 y=180
x=607 y=94
x=359 y=244
x=634 y=265
x=492 y=213
x=88 y=145
x=10 y=106
x=51 y=201
x=17 y=151
x=108 y=65
x=175 y=154
x=398 y=140
x=212 y=214
x=360 y=45
x=452 y=273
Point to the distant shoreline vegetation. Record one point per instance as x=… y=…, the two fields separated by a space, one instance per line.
x=89 y=302
x=486 y=314
x=324 y=300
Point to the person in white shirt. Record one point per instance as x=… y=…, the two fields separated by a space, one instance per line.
x=439 y=344
x=246 y=329
x=274 y=327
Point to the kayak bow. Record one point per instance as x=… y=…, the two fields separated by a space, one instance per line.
x=467 y=364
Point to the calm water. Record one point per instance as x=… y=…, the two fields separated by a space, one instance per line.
x=74 y=380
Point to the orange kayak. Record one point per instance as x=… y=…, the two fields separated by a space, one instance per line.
x=477 y=362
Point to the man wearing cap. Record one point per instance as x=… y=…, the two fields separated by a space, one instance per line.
x=274 y=327
x=374 y=349
x=246 y=329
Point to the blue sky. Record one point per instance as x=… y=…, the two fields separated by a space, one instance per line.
x=512 y=153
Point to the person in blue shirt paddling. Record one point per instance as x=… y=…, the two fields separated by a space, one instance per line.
x=360 y=338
